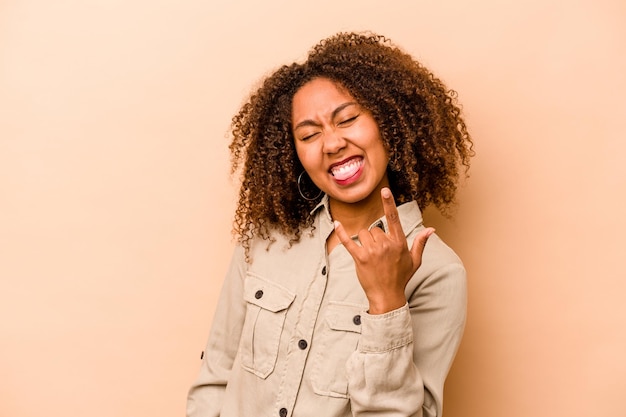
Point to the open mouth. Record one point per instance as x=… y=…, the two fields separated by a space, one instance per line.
x=346 y=169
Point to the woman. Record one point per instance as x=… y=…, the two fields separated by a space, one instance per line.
x=338 y=300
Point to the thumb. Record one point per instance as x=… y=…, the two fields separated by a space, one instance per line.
x=417 y=249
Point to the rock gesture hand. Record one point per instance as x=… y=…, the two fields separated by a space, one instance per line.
x=384 y=263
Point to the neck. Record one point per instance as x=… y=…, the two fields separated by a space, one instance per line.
x=357 y=216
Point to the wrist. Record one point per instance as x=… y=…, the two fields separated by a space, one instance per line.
x=385 y=304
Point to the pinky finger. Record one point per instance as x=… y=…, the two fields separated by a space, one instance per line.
x=348 y=243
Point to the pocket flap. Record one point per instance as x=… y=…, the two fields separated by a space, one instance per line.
x=345 y=317
x=266 y=294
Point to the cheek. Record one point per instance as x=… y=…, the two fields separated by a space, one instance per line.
x=301 y=153
x=381 y=155
x=307 y=154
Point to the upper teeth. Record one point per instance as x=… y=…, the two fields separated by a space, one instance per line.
x=351 y=166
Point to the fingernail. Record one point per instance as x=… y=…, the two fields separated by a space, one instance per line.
x=386 y=192
x=336 y=223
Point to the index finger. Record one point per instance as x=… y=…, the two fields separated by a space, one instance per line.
x=391 y=213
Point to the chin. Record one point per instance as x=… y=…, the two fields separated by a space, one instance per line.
x=350 y=197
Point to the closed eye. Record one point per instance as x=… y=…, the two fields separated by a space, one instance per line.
x=307 y=137
x=348 y=121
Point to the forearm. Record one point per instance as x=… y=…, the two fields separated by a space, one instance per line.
x=382 y=377
x=403 y=357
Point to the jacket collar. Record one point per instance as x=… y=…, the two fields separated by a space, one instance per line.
x=410 y=217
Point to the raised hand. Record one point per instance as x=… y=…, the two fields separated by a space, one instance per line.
x=384 y=263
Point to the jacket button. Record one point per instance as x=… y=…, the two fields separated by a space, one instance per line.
x=282 y=412
x=324 y=271
x=357 y=320
x=258 y=294
x=302 y=344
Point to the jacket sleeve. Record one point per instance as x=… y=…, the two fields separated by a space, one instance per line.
x=206 y=394
x=403 y=357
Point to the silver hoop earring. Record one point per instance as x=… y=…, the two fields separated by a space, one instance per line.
x=302 y=194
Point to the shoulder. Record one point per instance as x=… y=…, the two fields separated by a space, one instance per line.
x=437 y=254
x=440 y=264
x=280 y=258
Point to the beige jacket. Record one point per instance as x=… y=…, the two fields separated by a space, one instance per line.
x=291 y=335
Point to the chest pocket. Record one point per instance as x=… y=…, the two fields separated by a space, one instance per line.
x=267 y=305
x=338 y=339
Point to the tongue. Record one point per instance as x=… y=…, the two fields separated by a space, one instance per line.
x=346 y=171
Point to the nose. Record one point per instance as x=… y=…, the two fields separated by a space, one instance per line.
x=333 y=142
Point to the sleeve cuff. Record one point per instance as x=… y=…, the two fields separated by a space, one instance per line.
x=385 y=332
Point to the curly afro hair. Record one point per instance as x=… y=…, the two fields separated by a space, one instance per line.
x=419 y=120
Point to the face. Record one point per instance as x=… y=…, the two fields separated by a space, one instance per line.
x=338 y=142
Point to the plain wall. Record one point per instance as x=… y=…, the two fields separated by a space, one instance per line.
x=116 y=202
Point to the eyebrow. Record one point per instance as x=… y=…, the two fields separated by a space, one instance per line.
x=309 y=122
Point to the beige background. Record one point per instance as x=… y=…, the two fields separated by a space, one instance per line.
x=115 y=201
